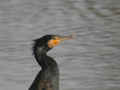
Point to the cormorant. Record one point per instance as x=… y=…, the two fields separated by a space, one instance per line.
x=48 y=77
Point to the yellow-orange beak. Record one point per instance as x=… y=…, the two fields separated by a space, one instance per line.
x=57 y=39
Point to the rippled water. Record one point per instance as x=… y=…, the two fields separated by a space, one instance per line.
x=90 y=62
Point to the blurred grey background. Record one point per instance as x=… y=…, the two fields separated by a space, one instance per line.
x=89 y=62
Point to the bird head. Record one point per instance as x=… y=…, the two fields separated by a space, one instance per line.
x=50 y=41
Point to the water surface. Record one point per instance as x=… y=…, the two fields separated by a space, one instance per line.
x=90 y=62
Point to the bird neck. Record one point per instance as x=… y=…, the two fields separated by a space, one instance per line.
x=41 y=57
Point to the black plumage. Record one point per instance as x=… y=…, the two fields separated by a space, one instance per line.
x=48 y=77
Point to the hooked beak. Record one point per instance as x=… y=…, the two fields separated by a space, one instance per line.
x=57 y=39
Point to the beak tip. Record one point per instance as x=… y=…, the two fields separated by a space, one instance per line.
x=72 y=36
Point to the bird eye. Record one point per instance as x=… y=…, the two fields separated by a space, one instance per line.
x=54 y=38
